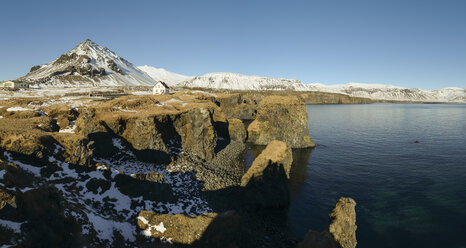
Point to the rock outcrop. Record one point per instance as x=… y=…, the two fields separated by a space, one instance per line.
x=276 y=152
x=236 y=130
x=341 y=232
x=343 y=223
x=149 y=124
x=265 y=182
x=281 y=118
x=206 y=230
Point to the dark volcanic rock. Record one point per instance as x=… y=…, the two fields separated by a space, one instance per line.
x=281 y=118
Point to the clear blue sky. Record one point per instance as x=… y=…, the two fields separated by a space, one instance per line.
x=417 y=43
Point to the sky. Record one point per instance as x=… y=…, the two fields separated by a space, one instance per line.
x=410 y=43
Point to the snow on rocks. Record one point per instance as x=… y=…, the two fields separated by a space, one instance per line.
x=12 y=109
x=14 y=226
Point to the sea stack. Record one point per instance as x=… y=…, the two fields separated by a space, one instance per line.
x=281 y=118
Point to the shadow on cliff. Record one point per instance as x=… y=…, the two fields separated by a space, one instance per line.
x=105 y=148
x=260 y=213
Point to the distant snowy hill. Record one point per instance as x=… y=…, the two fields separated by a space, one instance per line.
x=394 y=93
x=88 y=64
x=234 y=81
x=160 y=74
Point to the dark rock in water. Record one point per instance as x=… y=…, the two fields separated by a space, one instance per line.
x=341 y=232
x=281 y=118
x=266 y=184
x=206 y=230
x=417 y=141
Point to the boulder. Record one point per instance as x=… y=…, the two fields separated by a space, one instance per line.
x=236 y=130
x=211 y=229
x=341 y=232
x=281 y=118
x=265 y=183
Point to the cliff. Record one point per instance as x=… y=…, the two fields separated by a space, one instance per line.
x=281 y=118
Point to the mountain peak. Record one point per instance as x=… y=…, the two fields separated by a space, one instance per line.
x=88 y=64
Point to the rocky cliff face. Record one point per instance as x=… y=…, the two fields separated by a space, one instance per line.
x=92 y=170
x=150 y=125
x=282 y=118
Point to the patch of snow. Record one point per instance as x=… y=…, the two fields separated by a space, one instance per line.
x=105 y=227
x=70 y=129
x=2 y=173
x=32 y=169
x=12 y=109
x=117 y=143
x=15 y=226
x=125 y=110
x=142 y=93
x=160 y=74
x=148 y=231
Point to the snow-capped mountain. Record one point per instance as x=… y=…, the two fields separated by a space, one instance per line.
x=88 y=64
x=160 y=74
x=235 y=81
x=393 y=93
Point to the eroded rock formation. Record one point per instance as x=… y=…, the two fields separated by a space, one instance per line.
x=282 y=118
x=236 y=130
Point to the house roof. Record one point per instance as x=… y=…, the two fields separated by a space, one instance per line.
x=163 y=83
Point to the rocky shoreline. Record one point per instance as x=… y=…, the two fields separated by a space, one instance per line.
x=163 y=171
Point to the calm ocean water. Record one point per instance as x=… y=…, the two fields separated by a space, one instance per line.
x=408 y=193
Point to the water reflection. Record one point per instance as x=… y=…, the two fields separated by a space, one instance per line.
x=299 y=169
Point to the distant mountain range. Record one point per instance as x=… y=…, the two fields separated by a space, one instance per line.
x=89 y=64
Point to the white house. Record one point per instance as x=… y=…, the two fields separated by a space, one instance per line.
x=161 y=88
x=14 y=85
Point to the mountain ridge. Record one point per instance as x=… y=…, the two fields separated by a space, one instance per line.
x=87 y=64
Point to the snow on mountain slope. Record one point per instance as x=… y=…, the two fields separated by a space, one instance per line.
x=234 y=81
x=88 y=64
x=160 y=74
x=394 y=93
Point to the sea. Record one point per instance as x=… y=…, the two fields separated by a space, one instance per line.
x=403 y=164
